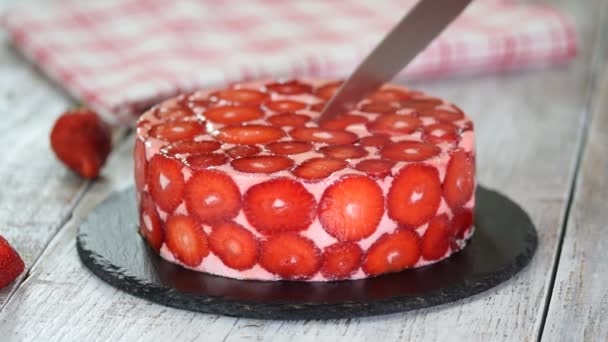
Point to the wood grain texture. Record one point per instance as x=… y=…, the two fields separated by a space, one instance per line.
x=529 y=132
x=37 y=194
x=579 y=306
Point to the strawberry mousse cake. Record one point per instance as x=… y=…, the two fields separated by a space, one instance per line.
x=243 y=182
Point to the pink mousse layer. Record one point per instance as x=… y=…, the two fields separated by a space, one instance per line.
x=213 y=264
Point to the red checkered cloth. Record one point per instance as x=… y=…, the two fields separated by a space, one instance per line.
x=121 y=56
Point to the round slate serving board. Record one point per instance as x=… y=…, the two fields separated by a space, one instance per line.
x=109 y=245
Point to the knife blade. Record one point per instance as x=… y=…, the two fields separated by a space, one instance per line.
x=411 y=35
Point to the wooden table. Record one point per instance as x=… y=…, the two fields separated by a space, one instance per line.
x=543 y=141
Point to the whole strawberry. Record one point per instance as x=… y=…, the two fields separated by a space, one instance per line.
x=82 y=141
x=11 y=265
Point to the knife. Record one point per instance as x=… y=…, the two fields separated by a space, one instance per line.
x=411 y=35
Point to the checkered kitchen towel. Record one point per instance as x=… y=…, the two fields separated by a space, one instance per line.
x=121 y=56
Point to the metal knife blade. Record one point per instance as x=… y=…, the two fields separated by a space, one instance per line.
x=410 y=36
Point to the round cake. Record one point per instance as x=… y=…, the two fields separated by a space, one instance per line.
x=243 y=182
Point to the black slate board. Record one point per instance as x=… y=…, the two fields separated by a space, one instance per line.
x=504 y=242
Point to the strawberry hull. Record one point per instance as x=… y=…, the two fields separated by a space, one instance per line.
x=349 y=200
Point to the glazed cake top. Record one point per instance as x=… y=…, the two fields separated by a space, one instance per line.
x=269 y=128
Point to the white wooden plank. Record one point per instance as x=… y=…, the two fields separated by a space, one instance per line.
x=518 y=118
x=579 y=306
x=37 y=194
